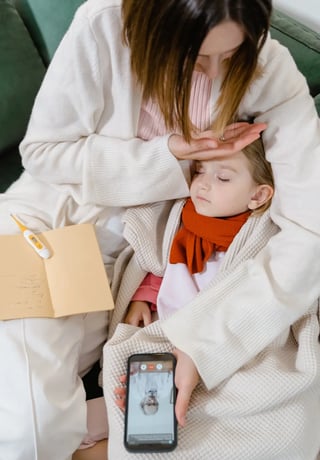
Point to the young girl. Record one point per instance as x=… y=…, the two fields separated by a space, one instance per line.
x=223 y=194
x=261 y=408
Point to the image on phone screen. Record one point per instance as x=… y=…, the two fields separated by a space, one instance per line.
x=150 y=423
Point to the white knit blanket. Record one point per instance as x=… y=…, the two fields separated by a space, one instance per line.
x=268 y=409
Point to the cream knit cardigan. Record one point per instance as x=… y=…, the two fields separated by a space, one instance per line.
x=266 y=406
x=81 y=142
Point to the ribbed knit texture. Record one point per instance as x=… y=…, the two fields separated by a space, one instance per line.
x=151 y=123
x=264 y=410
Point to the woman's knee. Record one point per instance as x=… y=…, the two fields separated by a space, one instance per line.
x=42 y=405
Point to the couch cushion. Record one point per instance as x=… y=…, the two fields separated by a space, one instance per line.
x=21 y=74
x=317 y=102
x=304 y=45
x=47 y=22
x=11 y=167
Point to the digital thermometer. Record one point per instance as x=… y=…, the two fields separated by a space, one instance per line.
x=33 y=240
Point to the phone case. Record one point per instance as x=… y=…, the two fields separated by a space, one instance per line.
x=150 y=422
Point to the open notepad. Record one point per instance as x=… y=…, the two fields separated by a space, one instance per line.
x=72 y=281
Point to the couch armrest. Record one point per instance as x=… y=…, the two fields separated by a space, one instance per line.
x=317 y=102
x=47 y=22
x=304 y=45
x=21 y=74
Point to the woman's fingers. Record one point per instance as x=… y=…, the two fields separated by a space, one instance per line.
x=235 y=145
x=236 y=129
x=120 y=399
x=205 y=146
x=224 y=147
x=121 y=392
x=240 y=129
x=233 y=131
x=183 y=150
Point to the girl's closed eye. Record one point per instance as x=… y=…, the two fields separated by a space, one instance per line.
x=223 y=177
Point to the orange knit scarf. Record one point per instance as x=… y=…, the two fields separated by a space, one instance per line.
x=200 y=236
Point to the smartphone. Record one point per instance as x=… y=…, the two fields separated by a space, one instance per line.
x=150 y=422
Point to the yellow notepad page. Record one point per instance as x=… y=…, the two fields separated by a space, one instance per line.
x=73 y=280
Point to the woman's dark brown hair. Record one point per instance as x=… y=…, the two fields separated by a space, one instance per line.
x=165 y=36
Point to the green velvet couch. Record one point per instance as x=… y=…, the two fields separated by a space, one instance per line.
x=30 y=31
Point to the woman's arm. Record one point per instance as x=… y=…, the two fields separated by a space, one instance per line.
x=82 y=132
x=82 y=135
x=230 y=323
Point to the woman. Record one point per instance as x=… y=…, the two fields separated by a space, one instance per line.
x=106 y=133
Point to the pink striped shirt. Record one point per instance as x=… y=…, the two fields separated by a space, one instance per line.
x=151 y=123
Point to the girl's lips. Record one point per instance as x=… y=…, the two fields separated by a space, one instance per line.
x=201 y=198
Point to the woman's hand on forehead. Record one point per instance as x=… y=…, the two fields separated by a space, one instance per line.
x=206 y=145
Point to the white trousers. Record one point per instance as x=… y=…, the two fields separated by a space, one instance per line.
x=42 y=399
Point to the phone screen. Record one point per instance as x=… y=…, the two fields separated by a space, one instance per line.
x=150 y=424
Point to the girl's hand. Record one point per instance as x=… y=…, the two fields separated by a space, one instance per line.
x=138 y=314
x=186 y=379
x=205 y=146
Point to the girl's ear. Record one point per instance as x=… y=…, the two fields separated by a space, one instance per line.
x=262 y=194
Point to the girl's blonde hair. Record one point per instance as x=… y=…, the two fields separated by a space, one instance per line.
x=165 y=36
x=261 y=170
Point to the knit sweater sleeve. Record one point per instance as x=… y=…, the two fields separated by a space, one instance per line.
x=232 y=321
x=82 y=135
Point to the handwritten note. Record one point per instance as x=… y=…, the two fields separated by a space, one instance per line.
x=72 y=281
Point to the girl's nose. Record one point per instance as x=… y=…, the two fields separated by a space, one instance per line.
x=204 y=183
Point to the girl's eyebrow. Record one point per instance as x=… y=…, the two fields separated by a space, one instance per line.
x=228 y=167
x=220 y=164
